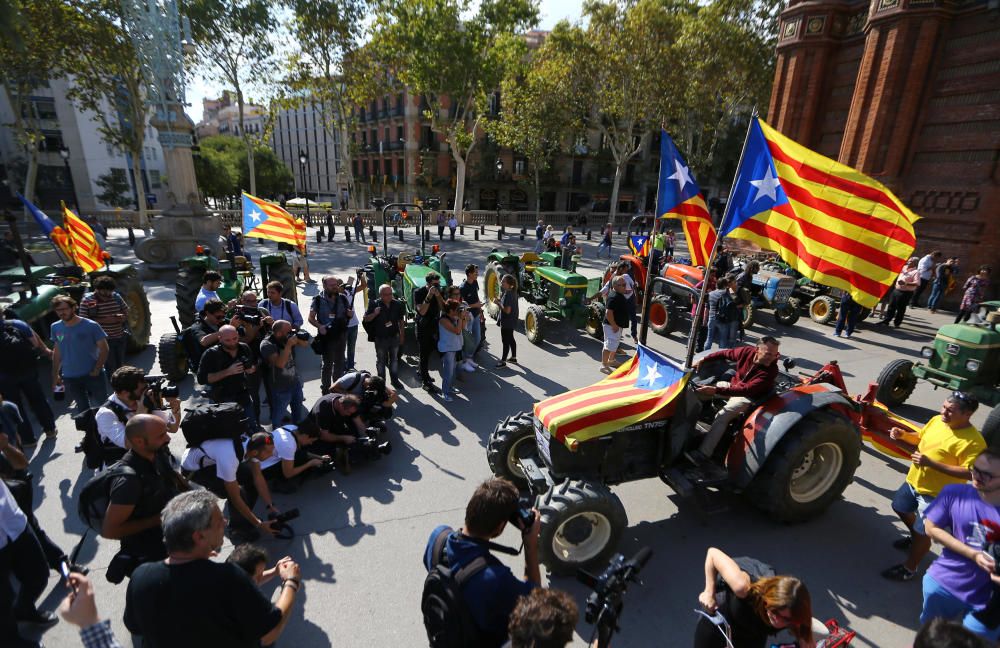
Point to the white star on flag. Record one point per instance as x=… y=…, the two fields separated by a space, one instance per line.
x=652 y=374
x=767 y=186
x=255 y=216
x=682 y=175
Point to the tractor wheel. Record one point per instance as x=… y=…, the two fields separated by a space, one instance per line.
x=512 y=438
x=581 y=524
x=748 y=313
x=661 y=315
x=786 y=315
x=822 y=310
x=809 y=468
x=534 y=324
x=283 y=272
x=139 y=320
x=491 y=283
x=595 y=320
x=173 y=359
x=991 y=428
x=896 y=383
x=186 y=290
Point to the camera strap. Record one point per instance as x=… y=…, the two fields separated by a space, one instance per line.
x=493 y=546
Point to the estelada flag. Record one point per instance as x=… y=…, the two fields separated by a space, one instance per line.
x=830 y=222
x=84 y=249
x=265 y=220
x=56 y=234
x=680 y=197
x=636 y=391
x=639 y=245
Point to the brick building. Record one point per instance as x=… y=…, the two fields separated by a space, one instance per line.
x=907 y=91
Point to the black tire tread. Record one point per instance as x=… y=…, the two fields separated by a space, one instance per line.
x=569 y=497
x=186 y=291
x=831 y=309
x=667 y=326
x=129 y=283
x=539 y=314
x=888 y=372
x=173 y=362
x=504 y=434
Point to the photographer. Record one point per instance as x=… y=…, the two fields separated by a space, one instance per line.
x=491 y=594
x=190 y=600
x=214 y=465
x=252 y=323
x=388 y=325
x=131 y=397
x=339 y=424
x=377 y=398
x=291 y=459
x=330 y=313
x=205 y=331
x=278 y=354
x=225 y=367
x=429 y=302
x=136 y=498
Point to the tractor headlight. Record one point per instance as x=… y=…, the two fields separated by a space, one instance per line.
x=972 y=365
x=562 y=302
x=927 y=352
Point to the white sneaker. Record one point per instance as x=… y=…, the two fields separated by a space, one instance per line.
x=834 y=334
x=847 y=335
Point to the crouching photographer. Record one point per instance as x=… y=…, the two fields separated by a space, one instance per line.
x=343 y=433
x=462 y=570
x=377 y=399
x=291 y=460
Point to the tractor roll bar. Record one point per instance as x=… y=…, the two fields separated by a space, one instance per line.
x=385 y=208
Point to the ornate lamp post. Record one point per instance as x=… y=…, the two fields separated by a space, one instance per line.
x=303 y=161
x=64 y=154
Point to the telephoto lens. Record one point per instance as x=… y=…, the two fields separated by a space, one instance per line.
x=302 y=335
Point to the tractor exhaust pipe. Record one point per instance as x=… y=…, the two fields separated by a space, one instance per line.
x=177 y=328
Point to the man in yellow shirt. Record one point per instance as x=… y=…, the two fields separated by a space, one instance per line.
x=945 y=449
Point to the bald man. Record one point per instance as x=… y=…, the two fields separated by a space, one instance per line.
x=138 y=496
x=225 y=368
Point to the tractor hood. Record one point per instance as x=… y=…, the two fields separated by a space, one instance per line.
x=16 y=274
x=968 y=337
x=564 y=278
x=416 y=275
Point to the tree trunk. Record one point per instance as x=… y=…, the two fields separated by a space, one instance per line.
x=538 y=196
x=613 y=209
x=353 y=201
x=459 y=184
x=31 y=175
x=140 y=190
x=246 y=140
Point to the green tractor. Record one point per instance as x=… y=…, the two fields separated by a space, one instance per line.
x=174 y=361
x=26 y=293
x=964 y=357
x=551 y=291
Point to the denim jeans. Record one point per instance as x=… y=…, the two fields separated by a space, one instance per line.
x=387 y=355
x=281 y=399
x=604 y=246
x=937 y=291
x=474 y=328
x=352 y=341
x=847 y=318
x=88 y=391
x=710 y=339
x=116 y=354
x=448 y=365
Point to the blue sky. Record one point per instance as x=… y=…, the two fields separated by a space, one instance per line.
x=551 y=12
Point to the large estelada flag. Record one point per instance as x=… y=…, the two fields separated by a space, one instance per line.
x=265 y=220
x=679 y=196
x=56 y=234
x=84 y=249
x=639 y=245
x=830 y=222
x=636 y=391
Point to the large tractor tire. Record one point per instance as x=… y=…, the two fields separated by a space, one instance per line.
x=991 y=428
x=786 y=314
x=491 y=288
x=809 y=468
x=283 y=272
x=582 y=522
x=822 y=309
x=139 y=319
x=896 y=383
x=534 y=324
x=748 y=313
x=661 y=315
x=173 y=360
x=188 y=286
x=512 y=438
x=595 y=320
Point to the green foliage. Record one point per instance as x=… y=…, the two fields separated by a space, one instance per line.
x=115 y=189
x=222 y=169
x=273 y=177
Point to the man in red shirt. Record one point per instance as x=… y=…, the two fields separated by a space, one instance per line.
x=756 y=370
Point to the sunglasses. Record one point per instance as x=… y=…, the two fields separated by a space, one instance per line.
x=964 y=398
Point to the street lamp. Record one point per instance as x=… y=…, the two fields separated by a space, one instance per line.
x=499 y=169
x=64 y=154
x=402 y=140
x=303 y=159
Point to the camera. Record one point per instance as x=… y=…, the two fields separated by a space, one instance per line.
x=368 y=448
x=248 y=314
x=162 y=387
x=522 y=517
x=245 y=361
x=302 y=335
x=604 y=605
x=279 y=523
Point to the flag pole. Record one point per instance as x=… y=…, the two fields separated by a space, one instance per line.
x=693 y=337
x=650 y=271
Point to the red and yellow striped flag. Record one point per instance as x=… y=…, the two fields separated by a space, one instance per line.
x=82 y=243
x=636 y=391
x=265 y=220
x=830 y=222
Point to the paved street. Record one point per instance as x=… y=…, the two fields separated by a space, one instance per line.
x=360 y=538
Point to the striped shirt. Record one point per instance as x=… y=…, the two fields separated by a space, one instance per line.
x=106 y=313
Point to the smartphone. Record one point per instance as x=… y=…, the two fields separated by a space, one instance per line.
x=64 y=570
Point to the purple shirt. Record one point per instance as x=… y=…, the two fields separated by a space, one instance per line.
x=959 y=509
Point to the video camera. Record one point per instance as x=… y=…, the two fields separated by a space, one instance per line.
x=368 y=448
x=604 y=605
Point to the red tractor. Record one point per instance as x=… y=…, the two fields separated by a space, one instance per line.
x=791 y=455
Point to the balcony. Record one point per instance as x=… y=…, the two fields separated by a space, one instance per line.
x=395 y=146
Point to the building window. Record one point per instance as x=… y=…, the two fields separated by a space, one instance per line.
x=400 y=134
x=400 y=169
x=152 y=150
x=45 y=108
x=387 y=165
x=51 y=141
x=154 y=178
x=107 y=147
x=518 y=167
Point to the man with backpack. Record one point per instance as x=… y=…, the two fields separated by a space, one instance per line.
x=469 y=594
x=723 y=316
x=135 y=491
x=231 y=469
x=106 y=307
x=277 y=351
x=385 y=323
x=280 y=308
x=224 y=367
x=291 y=458
x=129 y=398
x=330 y=312
x=20 y=347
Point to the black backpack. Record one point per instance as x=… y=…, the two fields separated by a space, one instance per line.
x=16 y=347
x=727 y=310
x=92 y=503
x=447 y=619
x=215 y=421
x=96 y=452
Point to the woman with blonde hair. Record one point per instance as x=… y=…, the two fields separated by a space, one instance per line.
x=754 y=603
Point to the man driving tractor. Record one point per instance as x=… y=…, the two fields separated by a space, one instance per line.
x=756 y=370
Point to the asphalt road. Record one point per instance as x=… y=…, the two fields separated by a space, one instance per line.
x=360 y=538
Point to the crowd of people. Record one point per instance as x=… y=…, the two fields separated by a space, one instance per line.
x=941 y=276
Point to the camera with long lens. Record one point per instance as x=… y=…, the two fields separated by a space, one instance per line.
x=249 y=314
x=368 y=448
x=605 y=603
x=280 y=522
x=158 y=388
x=302 y=335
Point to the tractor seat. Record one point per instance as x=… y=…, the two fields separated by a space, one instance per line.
x=242 y=264
x=530 y=257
